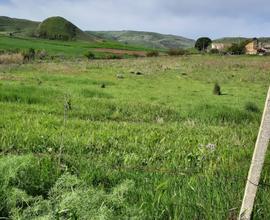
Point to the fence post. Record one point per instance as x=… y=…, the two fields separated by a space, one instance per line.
x=257 y=163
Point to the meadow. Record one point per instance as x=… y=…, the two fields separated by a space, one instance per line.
x=63 y=49
x=140 y=138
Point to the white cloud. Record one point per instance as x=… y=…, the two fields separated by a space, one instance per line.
x=190 y=18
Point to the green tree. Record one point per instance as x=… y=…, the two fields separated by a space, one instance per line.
x=202 y=43
x=239 y=48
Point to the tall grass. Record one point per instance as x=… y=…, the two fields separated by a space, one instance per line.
x=155 y=146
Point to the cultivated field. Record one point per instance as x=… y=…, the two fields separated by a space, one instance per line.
x=138 y=138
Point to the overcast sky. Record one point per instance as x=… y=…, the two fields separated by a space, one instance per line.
x=189 y=18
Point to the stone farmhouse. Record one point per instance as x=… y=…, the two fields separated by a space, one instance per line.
x=222 y=47
x=256 y=47
x=252 y=47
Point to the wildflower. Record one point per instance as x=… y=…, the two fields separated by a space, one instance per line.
x=211 y=147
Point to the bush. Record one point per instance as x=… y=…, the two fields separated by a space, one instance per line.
x=29 y=54
x=214 y=51
x=251 y=107
x=153 y=53
x=177 y=52
x=114 y=57
x=90 y=55
x=41 y=54
x=217 y=89
x=237 y=49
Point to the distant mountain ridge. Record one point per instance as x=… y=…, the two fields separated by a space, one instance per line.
x=240 y=39
x=146 y=39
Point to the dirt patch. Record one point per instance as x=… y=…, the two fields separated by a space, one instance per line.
x=122 y=52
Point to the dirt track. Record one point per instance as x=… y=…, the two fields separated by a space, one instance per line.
x=121 y=52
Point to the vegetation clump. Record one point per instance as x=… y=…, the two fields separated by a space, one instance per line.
x=114 y=57
x=214 y=51
x=41 y=54
x=90 y=55
x=177 y=52
x=252 y=107
x=237 y=49
x=153 y=53
x=29 y=54
x=217 y=89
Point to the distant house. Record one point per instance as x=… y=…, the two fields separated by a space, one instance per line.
x=217 y=46
x=256 y=47
x=253 y=46
x=266 y=47
x=220 y=46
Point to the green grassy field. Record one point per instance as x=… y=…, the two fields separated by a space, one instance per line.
x=154 y=146
x=67 y=49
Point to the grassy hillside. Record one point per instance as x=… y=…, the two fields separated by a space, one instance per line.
x=17 y=26
x=146 y=39
x=63 y=48
x=78 y=142
x=58 y=28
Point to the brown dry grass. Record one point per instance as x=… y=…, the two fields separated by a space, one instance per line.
x=11 y=58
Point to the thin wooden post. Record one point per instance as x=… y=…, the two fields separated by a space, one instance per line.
x=257 y=163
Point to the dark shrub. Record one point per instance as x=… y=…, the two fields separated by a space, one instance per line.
x=29 y=54
x=90 y=55
x=153 y=53
x=114 y=57
x=136 y=55
x=177 y=52
x=214 y=51
x=217 y=89
x=251 y=107
x=41 y=54
x=238 y=49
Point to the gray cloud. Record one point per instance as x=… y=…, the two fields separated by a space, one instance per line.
x=190 y=18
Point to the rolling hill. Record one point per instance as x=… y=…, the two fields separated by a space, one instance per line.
x=16 y=26
x=54 y=28
x=146 y=39
x=58 y=28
